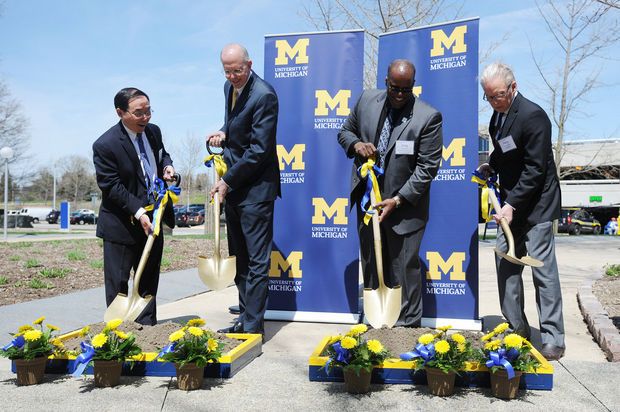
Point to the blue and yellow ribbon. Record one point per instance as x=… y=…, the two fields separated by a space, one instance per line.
x=370 y=171
x=503 y=358
x=167 y=349
x=17 y=342
x=488 y=184
x=342 y=355
x=426 y=352
x=82 y=361
x=162 y=196
x=217 y=161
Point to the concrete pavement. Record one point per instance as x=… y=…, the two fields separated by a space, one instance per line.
x=278 y=380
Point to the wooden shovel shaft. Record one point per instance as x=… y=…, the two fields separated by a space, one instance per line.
x=143 y=259
x=376 y=231
x=503 y=222
x=216 y=219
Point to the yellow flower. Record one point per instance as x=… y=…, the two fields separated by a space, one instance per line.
x=442 y=347
x=375 y=346
x=195 y=331
x=458 y=338
x=426 y=338
x=52 y=327
x=488 y=336
x=334 y=339
x=39 y=321
x=113 y=324
x=461 y=347
x=445 y=328
x=358 y=329
x=501 y=328
x=99 y=340
x=348 y=342
x=513 y=341
x=121 y=334
x=212 y=344
x=57 y=342
x=195 y=322
x=84 y=331
x=493 y=345
x=32 y=335
x=24 y=328
x=175 y=336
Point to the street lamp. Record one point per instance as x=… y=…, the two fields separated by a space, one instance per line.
x=6 y=153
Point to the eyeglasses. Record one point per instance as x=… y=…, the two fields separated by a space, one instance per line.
x=394 y=89
x=236 y=72
x=140 y=113
x=498 y=96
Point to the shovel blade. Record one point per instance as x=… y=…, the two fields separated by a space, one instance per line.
x=217 y=273
x=137 y=306
x=382 y=306
x=118 y=308
x=524 y=261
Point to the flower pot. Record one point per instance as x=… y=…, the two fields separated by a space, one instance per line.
x=354 y=383
x=30 y=371
x=505 y=388
x=440 y=383
x=189 y=376
x=107 y=373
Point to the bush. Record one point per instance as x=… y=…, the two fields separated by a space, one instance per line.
x=612 y=270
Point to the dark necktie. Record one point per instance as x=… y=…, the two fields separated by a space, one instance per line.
x=384 y=139
x=500 y=120
x=148 y=175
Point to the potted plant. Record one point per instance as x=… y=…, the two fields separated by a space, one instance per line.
x=191 y=348
x=507 y=356
x=441 y=356
x=107 y=350
x=356 y=356
x=29 y=349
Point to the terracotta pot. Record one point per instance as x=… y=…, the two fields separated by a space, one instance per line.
x=107 y=373
x=354 y=383
x=189 y=376
x=505 y=388
x=439 y=382
x=30 y=371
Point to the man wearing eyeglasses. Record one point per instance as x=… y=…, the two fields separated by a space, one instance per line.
x=530 y=192
x=404 y=136
x=252 y=182
x=128 y=158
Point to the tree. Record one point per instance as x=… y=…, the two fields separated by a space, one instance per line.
x=582 y=30
x=376 y=17
x=13 y=125
x=78 y=178
x=187 y=158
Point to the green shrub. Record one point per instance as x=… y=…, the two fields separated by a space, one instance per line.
x=32 y=263
x=14 y=258
x=4 y=280
x=37 y=283
x=96 y=264
x=612 y=270
x=165 y=262
x=54 y=272
x=76 y=255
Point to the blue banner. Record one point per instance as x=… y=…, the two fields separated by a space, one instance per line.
x=446 y=61
x=314 y=272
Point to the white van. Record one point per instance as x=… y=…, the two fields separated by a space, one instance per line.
x=38 y=214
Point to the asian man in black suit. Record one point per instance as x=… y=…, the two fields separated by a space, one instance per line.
x=252 y=182
x=128 y=157
x=530 y=192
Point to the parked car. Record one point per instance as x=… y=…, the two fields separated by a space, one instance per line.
x=81 y=218
x=52 y=217
x=180 y=218
x=195 y=218
x=576 y=221
x=37 y=213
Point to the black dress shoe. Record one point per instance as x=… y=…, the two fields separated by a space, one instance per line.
x=237 y=327
x=235 y=310
x=551 y=352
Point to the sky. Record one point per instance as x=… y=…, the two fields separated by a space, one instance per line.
x=64 y=60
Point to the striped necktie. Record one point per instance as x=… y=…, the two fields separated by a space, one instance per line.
x=146 y=165
x=384 y=138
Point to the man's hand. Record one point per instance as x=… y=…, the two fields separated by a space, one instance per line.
x=169 y=174
x=485 y=170
x=364 y=150
x=506 y=213
x=216 y=139
x=145 y=222
x=385 y=208
x=221 y=188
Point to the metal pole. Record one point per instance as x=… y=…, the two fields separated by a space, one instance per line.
x=6 y=195
x=54 y=201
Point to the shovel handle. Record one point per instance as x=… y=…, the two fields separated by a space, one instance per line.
x=216 y=219
x=503 y=222
x=143 y=259
x=376 y=232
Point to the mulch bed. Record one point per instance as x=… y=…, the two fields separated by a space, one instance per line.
x=607 y=291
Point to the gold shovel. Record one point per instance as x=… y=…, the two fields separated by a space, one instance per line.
x=510 y=256
x=381 y=305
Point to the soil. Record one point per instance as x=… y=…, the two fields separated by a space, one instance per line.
x=149 y=338
x=43 y=269
x=607 y=291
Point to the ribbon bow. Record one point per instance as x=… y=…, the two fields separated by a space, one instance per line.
x=426 y=352
x=162 y=195
x=81 y=362
x=488 y=184
x=218 y=161
x=503 y=358
x=370 y=171
x=167 y=349
x=342 y=354
x=18 y=342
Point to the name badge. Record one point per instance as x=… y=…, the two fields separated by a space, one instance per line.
x=507 y=144
x=404 y=147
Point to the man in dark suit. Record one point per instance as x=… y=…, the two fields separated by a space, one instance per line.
x=405 y=135
x=252 y=182
x=128 y=157
x=530 y=192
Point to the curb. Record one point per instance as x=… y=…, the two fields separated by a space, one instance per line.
x=602 y=328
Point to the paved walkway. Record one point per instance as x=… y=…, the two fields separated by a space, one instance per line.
x=278 y=380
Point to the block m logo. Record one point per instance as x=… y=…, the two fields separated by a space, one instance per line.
x=292 y=263
x=340 y=102
x=299 y=51
x=456 y=41
x=337 y=210
x=294 y=158
x=452 y=266
x=454 y=152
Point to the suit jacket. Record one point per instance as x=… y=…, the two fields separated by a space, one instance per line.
x=122 y=183
x=527 y=174
x=253 y=174
x=408 y=175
